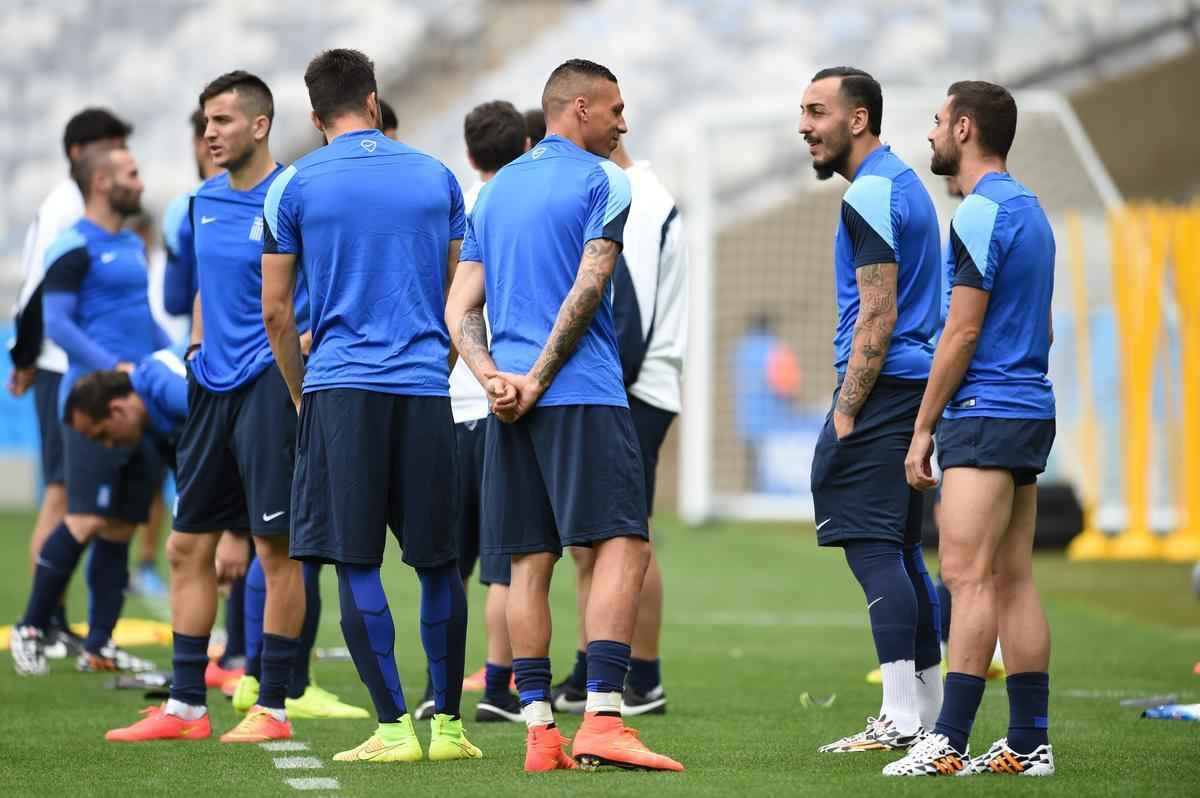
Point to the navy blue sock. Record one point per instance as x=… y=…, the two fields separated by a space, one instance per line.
x=444 y=634
x=278 y=654
x=371 y=637
x=301 y=676
x=57 y=560
x=959 y=705
x=608 y=664
x=58 y=619
x=943 y=594
x=578 y=677
x=107 y=578
x=533 y=679
x=644 y=674
x=928 y=650
x=891 y=602
x=496 y=680
x=1028 y=711
x=235 y=624
x=188 y=662
x=254 y=608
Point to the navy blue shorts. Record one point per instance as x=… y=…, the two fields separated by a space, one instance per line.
x=235 y=458
x=562 y=476
x=118 y=483
x=858 y=483
x=494 y=569
x=651 y=424
x=50 y=426
x=1019 y=445
x=366 y=461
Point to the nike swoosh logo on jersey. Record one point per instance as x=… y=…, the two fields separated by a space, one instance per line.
x=108 y=257
x=823 y=523
x=207 y=219
x=269 y=518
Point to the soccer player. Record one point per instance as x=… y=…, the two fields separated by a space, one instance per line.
x=561 y=465
x=495 y=135
x=374 y=226
x=96 y=307
x=650 y=315
x=993 y=408
x=535 y=125
x=886 y=257
x=119 y=408
x=37 y=361
x=388 y=123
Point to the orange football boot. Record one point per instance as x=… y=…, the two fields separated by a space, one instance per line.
x=259 y=726
x=606 y=740
x=158 y=725
x=216 y=676
x=544 y=750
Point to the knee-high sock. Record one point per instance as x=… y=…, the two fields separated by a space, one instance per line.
x=107 y=578
x=308 y=633
x=57 y=560
x=444 y=634
x=254 y=608
x=928 y=641
x=371 y=637
x=278 y=655
x=892 y=604
x=235 y=624
x=943 y=594
x=188 y=660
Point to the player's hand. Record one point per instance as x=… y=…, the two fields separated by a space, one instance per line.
x=843 y=424
x=918 y=468
x=306 y=343
x=529 y=391
x=20 y=380
x=502 y=398
x=233 y=558
x=125 y=366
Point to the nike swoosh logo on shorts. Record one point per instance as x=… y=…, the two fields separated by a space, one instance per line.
x=873 y=603
x=269 y=518
x=823 y=523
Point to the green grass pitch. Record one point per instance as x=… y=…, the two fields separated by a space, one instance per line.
x=755 y=616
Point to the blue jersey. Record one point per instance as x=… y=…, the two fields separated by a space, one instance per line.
x=528 y=229
x=371 y=221
x=888 y=217
x=1003 y=244
x=179 y=277
x=161 y=382
x=227 y=225
x=95 y=300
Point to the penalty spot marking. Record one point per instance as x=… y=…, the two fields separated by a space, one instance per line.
x=313 y=784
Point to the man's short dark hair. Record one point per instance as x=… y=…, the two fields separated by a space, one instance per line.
x=860 y=90
x=566 y=79
x=94 y=124
x=991 y=108
x=339 y=82
x=254 y=94
x=387 y=116
x=85 y=168
x=535 y=125
x=495 y=134
x=91 y=394
x=199 y=123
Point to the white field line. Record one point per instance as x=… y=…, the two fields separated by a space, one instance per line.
x=298 y=763
x=284 y=745
x=313 y=784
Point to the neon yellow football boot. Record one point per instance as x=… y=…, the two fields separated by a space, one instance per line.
x=448 y=742
x=391 y=742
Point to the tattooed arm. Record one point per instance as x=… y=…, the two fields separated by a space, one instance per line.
x=464 y=319
x=869 y=346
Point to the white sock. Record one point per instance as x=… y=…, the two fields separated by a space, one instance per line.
x=603 y=702
x=537 y=713
x=185 y=711
x=279 y=714
x=929 y=695
x=900 y=694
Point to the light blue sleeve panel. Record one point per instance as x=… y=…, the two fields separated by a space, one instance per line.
x=973 y=231
x=69 y=239
x=283 y=230
x=610 y=197
x=871 y=198
x=173 y=218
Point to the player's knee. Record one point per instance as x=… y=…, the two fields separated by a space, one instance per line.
x=85 y=527
x=585 y=558
x=183 y=551
x=964 y=571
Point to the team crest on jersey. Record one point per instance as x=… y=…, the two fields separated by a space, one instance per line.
x=256 y=229
x=537 y=153
x=368 y=144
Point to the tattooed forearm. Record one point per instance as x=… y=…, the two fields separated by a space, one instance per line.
x=578 y=309
x=872 y=335
x=472 y=342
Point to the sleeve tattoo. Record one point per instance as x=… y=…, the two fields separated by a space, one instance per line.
x=472 y=343
x=578 y=309
x=872 y=335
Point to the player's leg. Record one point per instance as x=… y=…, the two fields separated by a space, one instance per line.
x=570 y=695
x=498 y=703
x=246 y=694
x=592 y=468
x=927 y=650
x=145 y=580
x=1025 y=635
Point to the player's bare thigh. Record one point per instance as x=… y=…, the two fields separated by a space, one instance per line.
x=976 y=509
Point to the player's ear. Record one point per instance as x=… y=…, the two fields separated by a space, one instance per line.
x=373 y=112
x=316 y=121
x=858 y=122
x=581 y=108
x=262 y=127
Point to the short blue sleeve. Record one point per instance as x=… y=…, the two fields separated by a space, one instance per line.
x=972 y=235
x=869 y=221
x=470 y=246
x=458 y=212
x=281 y=213
x=609 y=198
